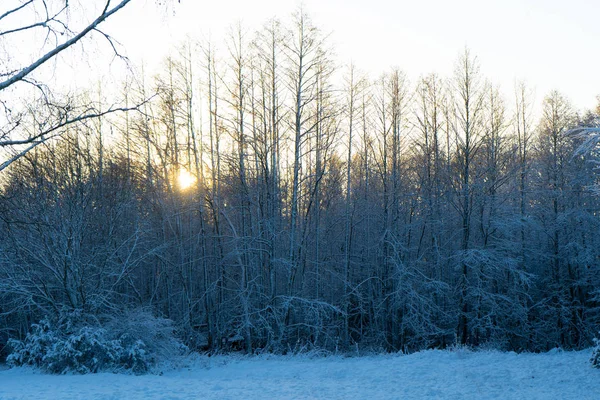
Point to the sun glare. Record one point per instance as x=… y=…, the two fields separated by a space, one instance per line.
x=185 y=179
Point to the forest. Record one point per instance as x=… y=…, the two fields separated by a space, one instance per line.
x=266 y=197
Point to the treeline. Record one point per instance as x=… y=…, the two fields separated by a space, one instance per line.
x=269 y=198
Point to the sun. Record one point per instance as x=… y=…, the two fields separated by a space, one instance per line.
x=185 y=179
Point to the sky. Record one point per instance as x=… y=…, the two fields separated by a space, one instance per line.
x=551 y=44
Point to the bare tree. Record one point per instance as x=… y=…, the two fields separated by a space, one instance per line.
x=469 y=100
x=302 y=52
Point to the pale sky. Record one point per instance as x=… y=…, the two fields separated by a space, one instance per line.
x=552 y=44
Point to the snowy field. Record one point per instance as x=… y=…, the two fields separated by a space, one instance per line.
x=425 y=375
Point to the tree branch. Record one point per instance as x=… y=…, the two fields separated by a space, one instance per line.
x=26 y=71
x=14 y=10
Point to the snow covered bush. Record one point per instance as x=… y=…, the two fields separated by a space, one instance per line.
x=83 y=350
x=595 y=360
x=70 y=346
x=156 y=334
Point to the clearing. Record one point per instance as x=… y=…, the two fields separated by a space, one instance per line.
x=435 y=374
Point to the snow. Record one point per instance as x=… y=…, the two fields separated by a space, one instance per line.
x=434 y=374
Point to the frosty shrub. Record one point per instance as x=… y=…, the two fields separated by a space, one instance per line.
x=595 y=360
x=156 y=333
x=120 y=346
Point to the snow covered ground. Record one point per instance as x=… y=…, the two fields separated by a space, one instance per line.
x=425 y=375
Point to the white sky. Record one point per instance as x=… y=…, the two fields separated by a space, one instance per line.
x=552 y=44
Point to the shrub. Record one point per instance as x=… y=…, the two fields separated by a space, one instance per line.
x=157 y=334
x=595 y=360
x=71 y=345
